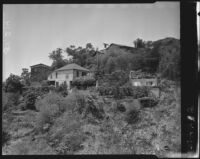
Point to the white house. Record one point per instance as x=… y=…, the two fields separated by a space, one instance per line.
x=67 y=74
x=137 y=78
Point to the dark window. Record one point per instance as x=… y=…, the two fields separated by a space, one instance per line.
x=83 y=73
x=56 y=74
x=51 y=76
x=77 y=74
x=70 y=84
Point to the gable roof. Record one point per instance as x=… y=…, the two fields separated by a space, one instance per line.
x=119 y=46
x=40 y=65
x=72 y=66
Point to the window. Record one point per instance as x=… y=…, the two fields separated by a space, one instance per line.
x=67 y=76
x=150 y=83
x=83 y=73
x=137 y=84
x=51 y=76
x=56 y=74
x=77 y=74
x=70 y=84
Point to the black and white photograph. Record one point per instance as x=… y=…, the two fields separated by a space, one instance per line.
x=91 y=79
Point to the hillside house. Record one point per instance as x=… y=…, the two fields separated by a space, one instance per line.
x=39 y=72
x=137 y=78
x=67 y=74
x=117 y=47
x=141 y=79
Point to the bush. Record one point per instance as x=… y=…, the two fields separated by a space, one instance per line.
x=80 y=99
x=132 y=117
x=94 y=107
x=120 y=92
x=148 y=102
x=9 y=100
x=5 y=101
x=13 y=84
x=139 y=92
x=62 y=89
x=65 y=135
x=30 y=99
x=52 y=105
x=31 y=94
x=83 y=82
x=86 y=103
x=121 y=107
x=44 y=83
x=22 y=106
x=73 y=142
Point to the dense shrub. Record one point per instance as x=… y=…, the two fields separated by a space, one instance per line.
x=148 y=102
x=31 y=94
x=65 y=134
x=30 y=99
x=49 y=107
x=94 y=106
x=22 y=106
x=13 y=84
x=139 y=92
x=44 y=83
x=132 y=117
x=120 y=92
x=83 y=82
x=62 y=89
x=4 y=101
x=73 y=142
x=9 y=100
x=121 y=107
x=80 y=99
x=86 y=103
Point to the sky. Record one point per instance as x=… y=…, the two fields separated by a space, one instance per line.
x=32 y=31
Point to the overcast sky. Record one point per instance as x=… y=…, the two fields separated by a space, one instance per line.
x=31 y=32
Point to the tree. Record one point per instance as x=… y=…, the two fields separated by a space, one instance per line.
x=111 y=65
x=25 y=76
x=169 y=65
x=139 y=43
x=57 y=58
x=105 y=45
x=13 y=84
x=148 y=44
x=82 y=56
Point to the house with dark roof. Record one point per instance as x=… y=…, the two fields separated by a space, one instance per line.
x=113 y=47
x=138 y=78
x=39 y=72
x=67 y=74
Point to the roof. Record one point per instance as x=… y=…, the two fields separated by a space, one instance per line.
x=72 y=66
x=120 y=46
x=38 y=65
x=123 y=46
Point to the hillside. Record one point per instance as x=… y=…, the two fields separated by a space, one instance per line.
x=163 y=58
x=113 y=118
